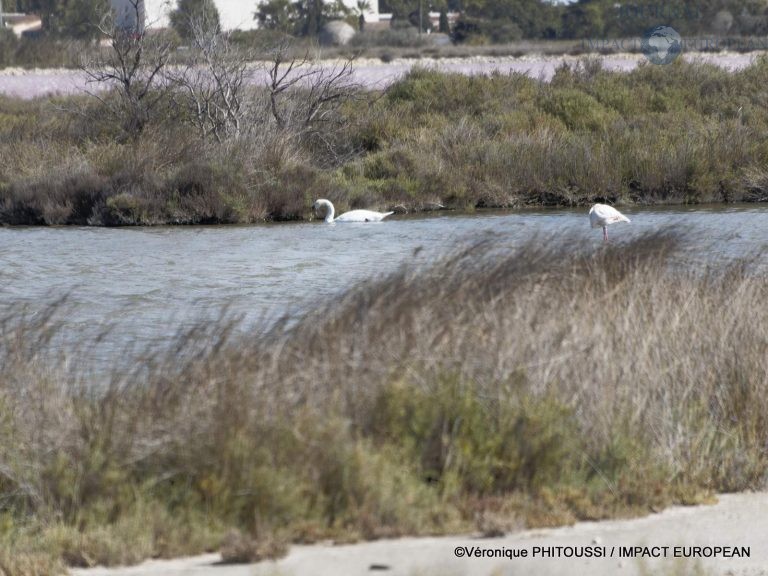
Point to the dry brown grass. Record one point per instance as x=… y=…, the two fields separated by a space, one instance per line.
x=545 y=382
x=240 y=548
x=620 y=336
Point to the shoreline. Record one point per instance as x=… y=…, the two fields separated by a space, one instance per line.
x=411 y=213
x=736 y=519
x=533 y=56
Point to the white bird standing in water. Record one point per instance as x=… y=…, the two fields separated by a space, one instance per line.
x=353 y=216
x=602 y=215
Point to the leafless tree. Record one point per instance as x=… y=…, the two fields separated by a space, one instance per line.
x=212 y=87
x=305 y=98
x=130 y=77
x=301 y=100
x=214 y=90
x=304 y=94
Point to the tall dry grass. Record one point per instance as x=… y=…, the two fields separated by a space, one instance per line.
x=504 y=386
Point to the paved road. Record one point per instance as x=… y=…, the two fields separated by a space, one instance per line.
x=738 y=520
x=372 y=72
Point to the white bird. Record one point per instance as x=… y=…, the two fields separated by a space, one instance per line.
x=602 y=215
x=352 y=216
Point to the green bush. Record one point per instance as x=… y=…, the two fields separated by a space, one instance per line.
x=8 y=46
x=511 y=442
x=577 y=110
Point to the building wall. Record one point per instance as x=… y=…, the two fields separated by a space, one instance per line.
x=125 y=13
x=234 y=14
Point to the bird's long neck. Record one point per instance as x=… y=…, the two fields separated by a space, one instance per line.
x=329 y=212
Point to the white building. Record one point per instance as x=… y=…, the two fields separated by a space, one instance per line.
x=234 y=14
x=20 y=23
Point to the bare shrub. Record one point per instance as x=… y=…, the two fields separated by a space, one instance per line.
x=238 y=548
x=305 y=98
x=130 y=80
x=212 y=87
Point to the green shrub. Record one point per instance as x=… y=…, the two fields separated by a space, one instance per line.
x=578 y=110
x=8 y=46
x=510 y=442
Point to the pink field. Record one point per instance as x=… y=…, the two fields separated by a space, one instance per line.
x=371 y=73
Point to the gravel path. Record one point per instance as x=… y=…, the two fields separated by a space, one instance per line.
x=737 y=520
x=373 y=73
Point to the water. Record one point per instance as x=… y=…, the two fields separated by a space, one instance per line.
x=146 y=283
x=375 y=74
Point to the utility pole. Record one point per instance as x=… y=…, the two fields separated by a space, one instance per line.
x=2 y=22
x=421 y=25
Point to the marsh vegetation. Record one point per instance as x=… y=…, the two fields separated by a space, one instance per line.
x=683 y=133
x=490 y=390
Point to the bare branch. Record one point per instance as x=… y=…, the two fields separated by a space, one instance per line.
x=212 y=87
x=133 y=70
x=304 y=94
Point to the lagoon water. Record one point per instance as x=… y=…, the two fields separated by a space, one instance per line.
x=147 y=283
x=375 y=74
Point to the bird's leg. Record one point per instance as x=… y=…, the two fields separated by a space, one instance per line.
x=605 y=233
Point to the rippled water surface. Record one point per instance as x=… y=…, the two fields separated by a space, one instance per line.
x=148 y=282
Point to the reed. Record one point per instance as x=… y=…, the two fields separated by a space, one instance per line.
x=500 y=385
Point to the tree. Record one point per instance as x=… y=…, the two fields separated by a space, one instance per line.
x=361 y=8
x=301 y=101
x=302 y=17
x=212 y=87
x=79 y=18
x=72 y=18
x=189 y=11
x=8 y=45
x=281 y=15
x=49 y=10
x=400 y=9
x=444 y=26
x=583 y=20
x=305 y=97
x=131 y=76
x=507 y=20
x=313 y=17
